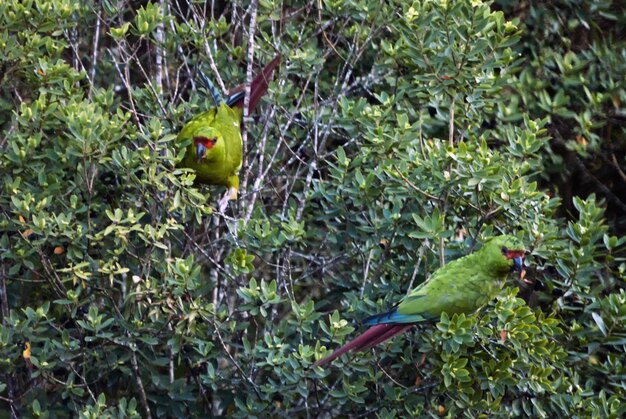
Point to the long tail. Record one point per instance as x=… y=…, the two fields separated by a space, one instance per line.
x=208 y=84
x=258 y=87
x=372 y=337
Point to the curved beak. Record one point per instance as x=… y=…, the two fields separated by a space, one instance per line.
x=518 y=266
x=200 y=151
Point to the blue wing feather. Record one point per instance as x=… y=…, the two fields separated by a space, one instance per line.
x=393 y=317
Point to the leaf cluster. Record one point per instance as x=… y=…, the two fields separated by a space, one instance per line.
x=395 y=137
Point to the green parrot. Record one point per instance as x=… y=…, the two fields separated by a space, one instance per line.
x=461 y=286
x=216 y=148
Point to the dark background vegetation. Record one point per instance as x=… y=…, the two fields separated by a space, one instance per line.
x=394 y=137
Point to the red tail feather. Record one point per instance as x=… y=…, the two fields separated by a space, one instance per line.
x=258 y=87
x=372 y=337
x=400 y=328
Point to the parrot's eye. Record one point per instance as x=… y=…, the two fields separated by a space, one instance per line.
x=214 y=140
x=505 y=251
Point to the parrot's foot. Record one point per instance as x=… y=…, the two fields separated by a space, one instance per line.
x=223 y=203
x=230 y=195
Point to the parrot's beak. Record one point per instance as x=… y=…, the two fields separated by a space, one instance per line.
x=518 y=266
x=200 y=151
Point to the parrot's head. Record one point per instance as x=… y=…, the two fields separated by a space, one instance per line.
x=207 y=141
x=505 y=254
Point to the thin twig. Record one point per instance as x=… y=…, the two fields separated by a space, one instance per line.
x=412 y=185
x=234 y=362
x=158 y=59
x=451 y=127
x=94 y=56
x=86 y=385
x=442 y=254
x=216 y=73
x=389 y=376
x=420 y=254
x=366 y=272
x=125 y=77
x=247 y=89
x=140 y=388
x=616 y=164
x=260 y=176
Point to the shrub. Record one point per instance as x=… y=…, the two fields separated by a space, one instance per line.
x=394 y=138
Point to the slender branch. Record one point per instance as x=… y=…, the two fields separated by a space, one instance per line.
x=94 y=56
x=139 y=382
x=86 y=385
x=420 y=254
x=170 y=355
x=412 y=185
x=247 y=89
x=234 y=362
x=125 y=77
x=158 y=59
x=213 y=65
x=442 y=250
x=616 y=164
x=451 y=127
x=261 y=175
x=366 y=271
x=389 y=376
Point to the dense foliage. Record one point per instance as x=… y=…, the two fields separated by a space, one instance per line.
x=394 y=137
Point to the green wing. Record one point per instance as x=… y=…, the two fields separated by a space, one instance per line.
x=462 y=286
x=228 y=122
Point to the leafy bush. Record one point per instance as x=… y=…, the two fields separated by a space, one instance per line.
x=394 y=138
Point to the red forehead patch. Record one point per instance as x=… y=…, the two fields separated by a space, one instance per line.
x=207 y=142
x=514 y=254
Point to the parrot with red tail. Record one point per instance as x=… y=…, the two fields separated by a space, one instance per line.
x=215 y=149
x=461 y=286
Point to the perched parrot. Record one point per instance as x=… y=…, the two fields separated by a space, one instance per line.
x=461 y=286
x=216 y=149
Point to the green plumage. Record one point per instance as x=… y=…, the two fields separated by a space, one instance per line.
x=214 y=143
x=461 y=286
x=222 y=162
